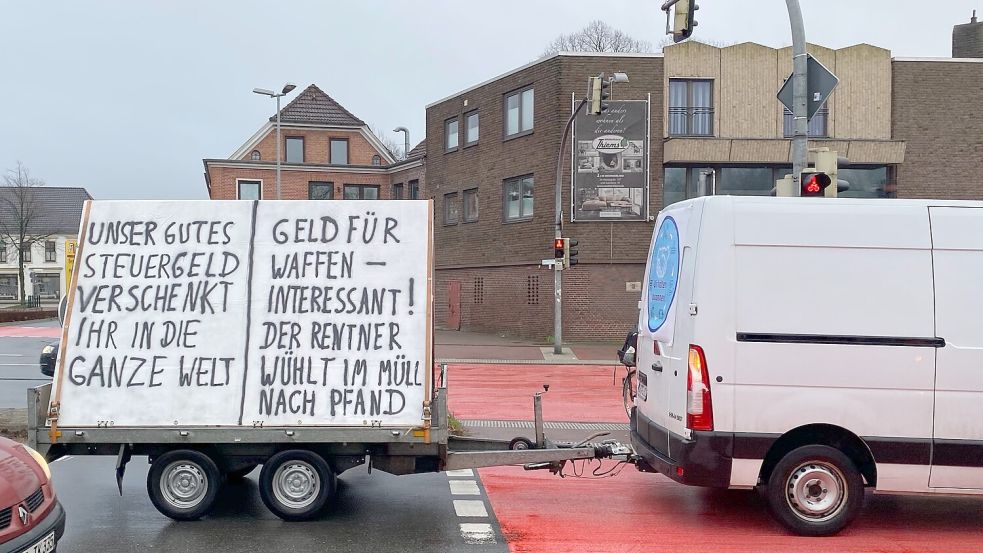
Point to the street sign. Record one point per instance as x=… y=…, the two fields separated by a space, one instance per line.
x=821 y=85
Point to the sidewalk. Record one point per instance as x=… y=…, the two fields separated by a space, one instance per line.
x=458 y=346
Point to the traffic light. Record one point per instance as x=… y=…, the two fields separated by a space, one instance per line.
x=600 y=90
x=559 y=247
x=813 y=184
x=570 y=259
x=683 y=20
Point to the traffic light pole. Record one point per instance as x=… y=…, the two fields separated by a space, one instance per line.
x=800 y=94
x=557 y=268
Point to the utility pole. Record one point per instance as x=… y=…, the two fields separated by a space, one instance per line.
x=800 y=94
x=558 y=267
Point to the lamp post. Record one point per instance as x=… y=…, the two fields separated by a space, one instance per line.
x=286 y=89
x=558 y=208
x=406 y=140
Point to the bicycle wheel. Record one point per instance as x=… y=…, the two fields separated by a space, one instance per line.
x=628 y=391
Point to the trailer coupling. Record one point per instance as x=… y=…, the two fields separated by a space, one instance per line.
x=609 y=449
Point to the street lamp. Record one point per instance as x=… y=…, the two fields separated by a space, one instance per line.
x=286 y=90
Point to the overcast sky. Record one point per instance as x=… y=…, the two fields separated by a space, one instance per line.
x=125 y=98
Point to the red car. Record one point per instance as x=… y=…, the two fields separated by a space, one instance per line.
x=31 y=519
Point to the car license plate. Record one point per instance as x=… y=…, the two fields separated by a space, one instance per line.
x=46 y=545
x=643 y=388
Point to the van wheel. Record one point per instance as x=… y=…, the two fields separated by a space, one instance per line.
x=815 y=490
x=183 y=484
x=296 y=484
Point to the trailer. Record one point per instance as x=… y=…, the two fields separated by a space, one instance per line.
x=215 y=337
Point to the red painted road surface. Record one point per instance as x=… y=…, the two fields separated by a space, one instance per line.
x=580 y=393
x=637 y=512
x=30 y=332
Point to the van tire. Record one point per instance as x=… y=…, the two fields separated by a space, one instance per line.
x=183 y=484
x=815 y=490
x=296 y=484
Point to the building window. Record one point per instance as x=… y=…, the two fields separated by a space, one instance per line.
x=9 y=288
x=361 y=192
x=479 y=290
x=470 y=205
x=49 y=251
x=471 y=128
x=450 y=135
x=817 y=125
x=532 y=290
x=25 y=252
x=255 y=155
x=519 y=112
x=518 y=199
x=398 y=191
x=249 y=189
x=339 y=151
x=377 y=160
x=451 y=208
x=295 y=149
x=690 y=107
x=3 y=252
x=320 y=190
x=414 y=190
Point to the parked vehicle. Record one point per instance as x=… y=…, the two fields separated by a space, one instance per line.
x=49 y=356
x=815 y=349
x=31 y=518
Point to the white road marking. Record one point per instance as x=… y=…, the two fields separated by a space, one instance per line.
x=460 y=472
x=464 y=487
x=17 y=364
x=12 y=355
x=470 y=508
x=61 y=459
x=477 y=533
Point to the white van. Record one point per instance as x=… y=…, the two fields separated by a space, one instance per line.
x=815 y=348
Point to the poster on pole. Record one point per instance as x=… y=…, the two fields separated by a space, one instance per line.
x=246 y=313
x=611 y=163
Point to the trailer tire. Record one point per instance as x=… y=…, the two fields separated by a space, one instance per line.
x=183 y=484
x=296 y=484
x=815 y=490
x=521 y=443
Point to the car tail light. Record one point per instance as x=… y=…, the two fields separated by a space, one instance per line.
x=699 y=407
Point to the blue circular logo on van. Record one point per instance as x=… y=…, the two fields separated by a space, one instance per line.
x=663 y=273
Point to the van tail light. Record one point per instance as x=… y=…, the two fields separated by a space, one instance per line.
x=655 y=347
x=699 y=407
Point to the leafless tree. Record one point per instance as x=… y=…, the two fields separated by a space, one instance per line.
x=389 y=143
x=597 y=36
x=21 y=213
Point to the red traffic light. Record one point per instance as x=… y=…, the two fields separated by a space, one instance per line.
x=814 y=184
x=558 y=247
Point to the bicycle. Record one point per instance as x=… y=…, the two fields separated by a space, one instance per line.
x=629 y=385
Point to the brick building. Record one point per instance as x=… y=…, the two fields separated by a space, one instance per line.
x=327 y=153
x=715 y=126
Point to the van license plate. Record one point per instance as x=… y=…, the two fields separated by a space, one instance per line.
x=46 y=545
x=643 y=386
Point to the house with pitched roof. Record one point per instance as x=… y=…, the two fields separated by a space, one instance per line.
x=326 y=153
x=50 y=217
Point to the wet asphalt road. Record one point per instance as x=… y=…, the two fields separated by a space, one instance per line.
x=373 y=512
x=19 y=368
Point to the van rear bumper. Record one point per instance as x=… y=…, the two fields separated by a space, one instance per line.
x=704 y=460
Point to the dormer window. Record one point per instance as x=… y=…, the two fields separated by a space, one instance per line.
x=255 y=155
x=377 y=160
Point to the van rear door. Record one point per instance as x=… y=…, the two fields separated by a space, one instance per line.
x=665 y=327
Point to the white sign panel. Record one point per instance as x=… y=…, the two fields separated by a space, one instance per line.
x=244 y=313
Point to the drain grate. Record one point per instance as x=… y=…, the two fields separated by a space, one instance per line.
x=481 y=423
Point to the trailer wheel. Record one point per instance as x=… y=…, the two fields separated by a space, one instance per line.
x=183 y=484
x=296 y=484
x=815 y=490
x=521 y=443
